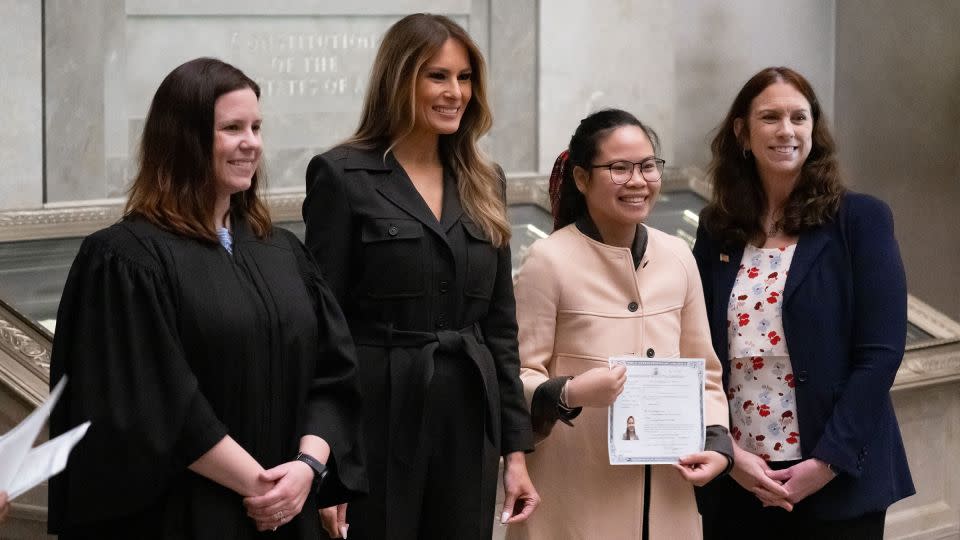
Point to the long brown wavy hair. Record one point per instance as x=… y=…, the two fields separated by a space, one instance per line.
x=736 y=209
x=389 y=114
x=175 y=187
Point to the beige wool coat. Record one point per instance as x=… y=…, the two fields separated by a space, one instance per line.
x=574 y=296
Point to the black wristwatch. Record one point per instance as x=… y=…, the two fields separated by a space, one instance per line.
x=319 y=470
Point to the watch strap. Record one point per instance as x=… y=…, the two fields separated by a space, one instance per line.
x=319 y=469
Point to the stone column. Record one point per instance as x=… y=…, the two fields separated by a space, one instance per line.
x=21 y=139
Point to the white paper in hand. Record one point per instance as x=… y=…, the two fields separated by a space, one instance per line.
x=22 y=468
x=46 y=460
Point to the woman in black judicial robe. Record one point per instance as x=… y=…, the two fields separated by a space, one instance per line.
x=203 y=345
x=408 y=222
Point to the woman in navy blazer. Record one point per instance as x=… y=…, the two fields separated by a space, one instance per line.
x=831 y=311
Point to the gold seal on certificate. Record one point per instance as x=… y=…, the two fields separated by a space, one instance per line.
x=659 y=416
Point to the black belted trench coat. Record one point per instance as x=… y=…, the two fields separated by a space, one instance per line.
x=412 y=286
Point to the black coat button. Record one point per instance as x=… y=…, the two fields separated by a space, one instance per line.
x=650 y=353
x=802 y=376
x=632 y=306
x=444 y=286
x=393 y=230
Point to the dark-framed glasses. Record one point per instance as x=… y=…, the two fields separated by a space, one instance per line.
x=651 y=169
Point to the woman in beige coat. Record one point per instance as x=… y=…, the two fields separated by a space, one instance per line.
x=603 y=284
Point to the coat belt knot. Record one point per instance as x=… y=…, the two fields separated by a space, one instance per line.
x=412 y=356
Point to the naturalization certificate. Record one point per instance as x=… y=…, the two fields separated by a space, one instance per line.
x=659 y=416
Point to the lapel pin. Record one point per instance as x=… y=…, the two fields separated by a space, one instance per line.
x=724 y=257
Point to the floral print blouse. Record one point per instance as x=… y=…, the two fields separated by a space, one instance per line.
x=761 y=389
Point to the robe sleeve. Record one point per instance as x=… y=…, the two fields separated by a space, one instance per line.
x=117 y=340
x=499 y=327
x=333 y=395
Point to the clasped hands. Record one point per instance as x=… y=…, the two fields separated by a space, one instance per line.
x=290 y=485
x=783 y=488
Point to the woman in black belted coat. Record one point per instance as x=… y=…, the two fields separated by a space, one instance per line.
x=407 y=220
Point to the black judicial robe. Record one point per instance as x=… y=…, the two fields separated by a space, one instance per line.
x=170 y=344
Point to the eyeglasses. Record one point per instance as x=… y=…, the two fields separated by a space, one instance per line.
x=651 y=169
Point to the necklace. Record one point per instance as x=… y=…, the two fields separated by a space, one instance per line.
x=776 y=226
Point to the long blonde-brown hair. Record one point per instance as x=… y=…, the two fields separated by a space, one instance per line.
x=389 y=114
x=175 y=186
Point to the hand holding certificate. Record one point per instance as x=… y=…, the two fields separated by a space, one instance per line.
x=659 y=416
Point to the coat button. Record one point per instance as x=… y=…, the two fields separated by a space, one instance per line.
x=393 y=230
x=651 y=353
x=444 y=286
x=632 y=306
x=802 y=376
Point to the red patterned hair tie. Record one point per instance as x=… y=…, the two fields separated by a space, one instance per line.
x=556 y=180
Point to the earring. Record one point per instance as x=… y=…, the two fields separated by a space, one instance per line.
x=745 y=151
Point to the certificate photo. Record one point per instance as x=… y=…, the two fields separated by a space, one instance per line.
x=659 y=416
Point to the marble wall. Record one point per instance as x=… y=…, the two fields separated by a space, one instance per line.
x=605 y=53
x=83 y=54
x=21 y=139
x=514 y=87
x=676 y=65
x=898 y=124
x=720 y=44
x=311 y=59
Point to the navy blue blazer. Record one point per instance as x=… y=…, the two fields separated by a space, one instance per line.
x=844 y=320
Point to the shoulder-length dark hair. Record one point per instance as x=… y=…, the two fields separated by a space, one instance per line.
x=569 y=204
x=175 y=187
x=389 y=113
x=738 y=203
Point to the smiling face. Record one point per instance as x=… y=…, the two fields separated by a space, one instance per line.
x=618 y=207
x=779 y=132
x=444 y=88
x=236 y=141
